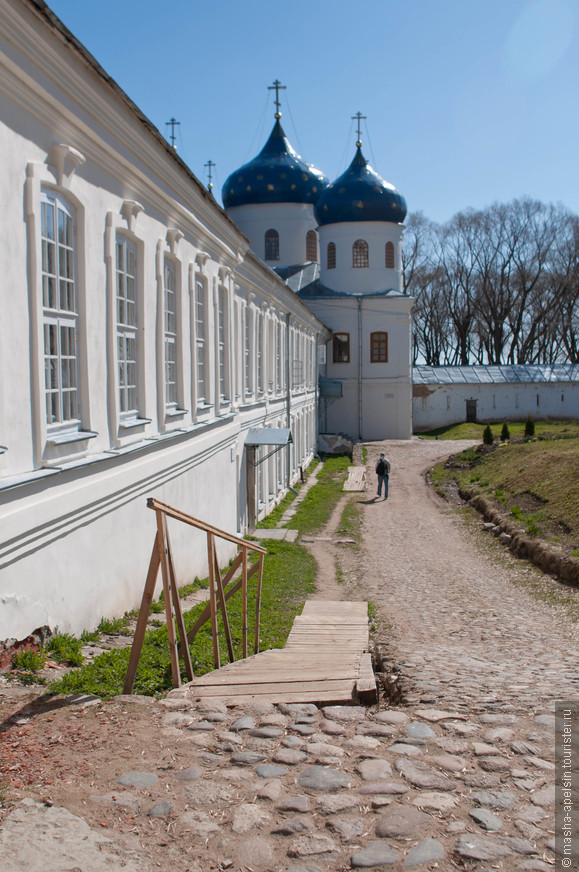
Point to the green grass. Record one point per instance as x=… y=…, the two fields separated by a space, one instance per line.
x=65 y=648
x=316 y=507
x=543 y=430
x=29 y=661
x=289 y=577
x=538 y=480
x=114 y=626
x=351 y=521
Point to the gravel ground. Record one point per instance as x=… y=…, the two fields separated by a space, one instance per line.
x=458 y=774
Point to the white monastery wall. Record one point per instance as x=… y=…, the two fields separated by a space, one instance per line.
x=152 y=392
x=438 y=405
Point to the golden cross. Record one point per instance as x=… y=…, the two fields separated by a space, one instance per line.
x=359 y=117
x=277 y=87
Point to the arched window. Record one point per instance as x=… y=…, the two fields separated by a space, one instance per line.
x=378 y=347
x=311 y=246
x=360 y=254
x=271 y=245
x=331 y=255
x=390 y=255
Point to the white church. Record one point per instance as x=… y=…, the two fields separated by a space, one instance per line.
x=153 y=344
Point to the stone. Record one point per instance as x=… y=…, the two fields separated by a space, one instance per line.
x=201 y=726
x=494 y=764
x=486 y=819
x=546 y=721
x=299 y=803
x=419 y=731
x=190 y=774
x=320 y=749
x=441 y=802
x=381 y=802
x=535 y=866
x=392 y=788
x=482 y=749
x=539 y=763
x=303 y=729
x=462 y=729
x=532 y=814
x=421 y=775
x=243 y=723
x=407 y=750
x=215 y=718
x=524 y=748
x=289 y=756
x=267 y=770
x=247 y=816
x=332 y=728
x=258 y=708
x=276 y=719
x=480 y=847
x=498 y=718
x=323 y=778
x=456 y=827
x=499 y=734
x=119 y=799
x=248 y=758
x=336 y=804
x=306 y=719
x=236 y=774
x=428 y=851
x=160 y=809
x=300 y=867
x=292 y=827
x=452 y=745
x=198 y=823
x=33 y=835
x=256 y=854
x=391 y=717
x=374 y=770
x=307 y=846
x=544 y=797
x=363 y=744
x=138 y=779
x=378 y=730
x=266 y=732
x=346 y=827
x=495 y=798
x=450 y=762
x=482 y=779
x=292 y=742
x=435 y=715
x=345 y=713
x=377 y=853
x=211 y=706
x=295 y=709
x=401 y=822
x=271 y=790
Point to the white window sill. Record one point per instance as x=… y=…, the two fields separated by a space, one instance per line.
x=175 y=413
x=3 y=449
x=71 y=436
x=132 y=423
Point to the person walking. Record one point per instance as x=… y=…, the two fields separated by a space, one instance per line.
x=383 y=473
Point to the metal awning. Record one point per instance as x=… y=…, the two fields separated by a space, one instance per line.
x=278 y=436
x=329 y=387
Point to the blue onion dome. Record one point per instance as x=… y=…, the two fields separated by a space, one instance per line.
x=277 y=175
x=360 y=194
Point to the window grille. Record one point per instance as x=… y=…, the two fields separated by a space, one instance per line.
x=271 y=245
x=311 y=246
x=390 y=255
x=331 y=255
x=201 y=379
x=170 y=295
x=360 y=254
x=379 y=347
x=127 y=325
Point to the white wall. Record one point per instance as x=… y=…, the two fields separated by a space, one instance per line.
x=440 y=405
x=355 y=280
x=75 y=531
x=291 y=220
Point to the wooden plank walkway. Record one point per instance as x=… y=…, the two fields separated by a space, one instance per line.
x=325 y=660
x=356 y=480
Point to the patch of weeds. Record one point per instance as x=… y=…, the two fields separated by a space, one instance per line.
x=516 y=513
x=156 y=622
x=372 y=610
x=65 y=648
x=114 y=626
x=364 y=455
x=89 y=636
x=532 y=528
x=30 y=661
x=575 y=552
x=350 y=522
x=340 y=577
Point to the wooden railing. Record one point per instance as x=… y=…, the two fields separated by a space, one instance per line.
x=219 y=594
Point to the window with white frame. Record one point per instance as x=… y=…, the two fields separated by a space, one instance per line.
x=278 y=358
x=259 y=344
x=222 y=343
x=170 y=325
x=247 y=350
x=127 y=326
x=200 y=342
x=60 y=311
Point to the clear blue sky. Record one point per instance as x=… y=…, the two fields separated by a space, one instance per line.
x=467 y=102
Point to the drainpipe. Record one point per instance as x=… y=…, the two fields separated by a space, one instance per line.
x=360 y=368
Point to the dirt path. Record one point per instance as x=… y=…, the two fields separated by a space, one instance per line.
x=460 y=618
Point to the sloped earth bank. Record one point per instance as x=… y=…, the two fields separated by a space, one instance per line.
x=457 y=775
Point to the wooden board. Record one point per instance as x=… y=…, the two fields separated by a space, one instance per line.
x=324 y=661
x=356 y=480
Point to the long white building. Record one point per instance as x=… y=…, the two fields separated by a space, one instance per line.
x=145 y=350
